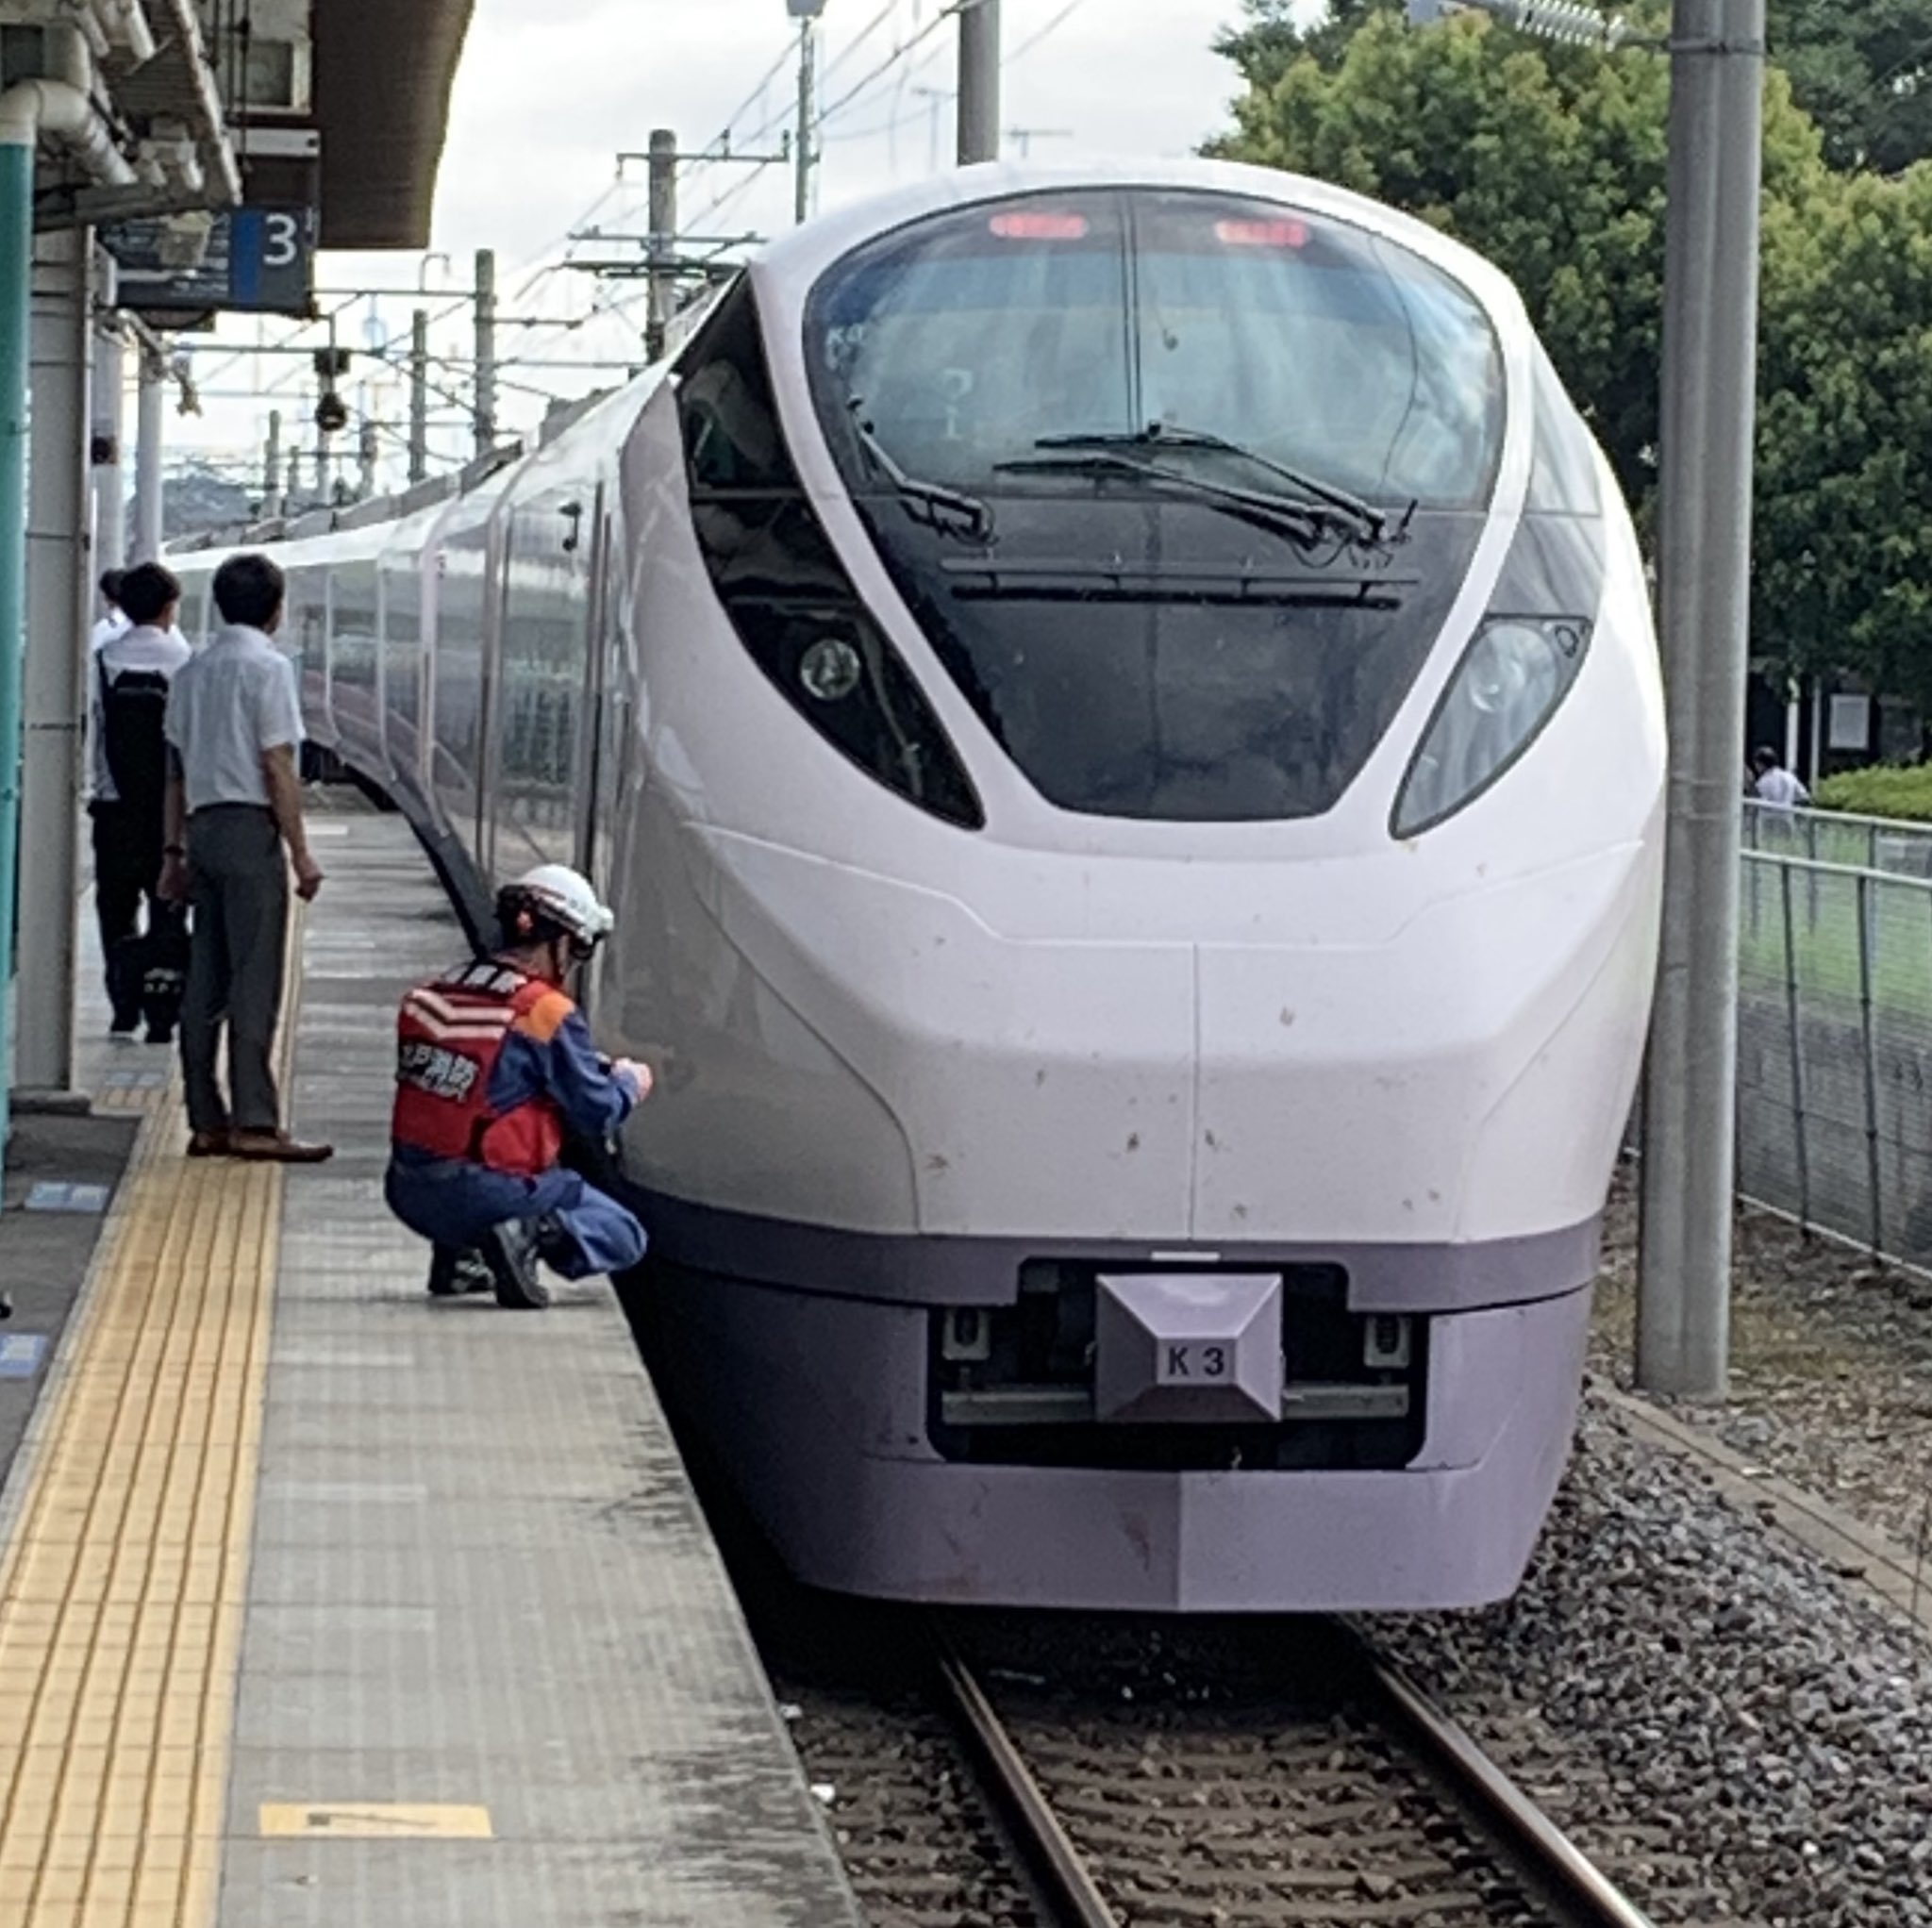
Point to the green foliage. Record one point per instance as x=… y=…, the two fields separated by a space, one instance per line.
x=1884 y=790
x=1861 y=69
x=1551 y=162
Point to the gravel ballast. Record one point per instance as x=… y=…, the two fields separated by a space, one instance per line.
x=1706 y=1710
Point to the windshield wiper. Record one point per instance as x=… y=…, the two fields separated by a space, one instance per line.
x=1373 y=523
x=935 y=495
x=1305 y=522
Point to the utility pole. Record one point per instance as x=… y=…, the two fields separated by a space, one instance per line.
x=1026 y=137
x=271 y=468
x=150 y=427
x=1709 y=390
x=368 y=449
x=323 y=453
x=1704 y=581
x=419 y=395
x=486 y=350
x=979 y=82
x=661 y=244
x=807 y=13
x=936 y=98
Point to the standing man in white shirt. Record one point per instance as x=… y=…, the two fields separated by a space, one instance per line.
x=132 y=668
x=234 y=828
x=1776 y=786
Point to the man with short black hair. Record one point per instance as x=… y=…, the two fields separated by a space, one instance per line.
x=234 y=810
x=115 y=620
x=132 y=670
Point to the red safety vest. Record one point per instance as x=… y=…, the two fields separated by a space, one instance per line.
x=449 y=1035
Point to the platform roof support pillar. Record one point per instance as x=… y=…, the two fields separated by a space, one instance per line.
x=107 y=399
x=55 y=705
x=16 y=269
x=150 y=438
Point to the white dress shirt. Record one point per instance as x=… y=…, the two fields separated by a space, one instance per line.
x=131 y=647
x=226 y=707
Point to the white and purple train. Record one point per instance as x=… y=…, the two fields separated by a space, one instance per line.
x=1117 y=710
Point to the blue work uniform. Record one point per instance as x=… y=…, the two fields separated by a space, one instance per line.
x=463 y=1160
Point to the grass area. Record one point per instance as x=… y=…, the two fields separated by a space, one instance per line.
x=1826 y=914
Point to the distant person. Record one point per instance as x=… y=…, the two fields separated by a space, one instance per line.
x=132 y=669
x=234 y=828
x=115 y=618
x=1775 y=785
x=499 y=1089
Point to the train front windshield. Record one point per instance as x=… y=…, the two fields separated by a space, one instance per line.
x=1115 y=447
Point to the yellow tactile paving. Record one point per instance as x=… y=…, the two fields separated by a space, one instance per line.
x=123 y=1588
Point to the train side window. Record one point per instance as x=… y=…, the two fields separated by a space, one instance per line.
x=1563 y=477
x=781 y=582
x=730 y=420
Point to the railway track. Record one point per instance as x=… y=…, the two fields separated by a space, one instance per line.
x=1331 y=1871
x=1031 y=1771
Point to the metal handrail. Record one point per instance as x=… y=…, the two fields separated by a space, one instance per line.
x=1818 y=866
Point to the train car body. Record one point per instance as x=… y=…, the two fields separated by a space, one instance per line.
x=1118 y=711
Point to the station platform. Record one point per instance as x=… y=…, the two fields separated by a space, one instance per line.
x=326 y=1605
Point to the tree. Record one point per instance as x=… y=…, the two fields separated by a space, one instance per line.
x=1861 y=69
x=1551 y=162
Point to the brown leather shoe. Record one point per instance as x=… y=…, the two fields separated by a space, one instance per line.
x=276 y=1146
x=207 y=1144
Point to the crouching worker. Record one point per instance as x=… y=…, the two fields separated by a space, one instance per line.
x=495 y=1075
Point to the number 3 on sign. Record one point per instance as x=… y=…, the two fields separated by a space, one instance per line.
x=281 y=245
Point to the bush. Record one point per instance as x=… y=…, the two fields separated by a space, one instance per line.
x=1883 y=790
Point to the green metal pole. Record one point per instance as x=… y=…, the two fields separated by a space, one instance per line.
x=16 y=280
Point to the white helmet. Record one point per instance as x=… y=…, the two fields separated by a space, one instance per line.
x=558 y=896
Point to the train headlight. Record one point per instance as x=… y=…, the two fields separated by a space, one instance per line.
x=830 y=669
x=1508 y=686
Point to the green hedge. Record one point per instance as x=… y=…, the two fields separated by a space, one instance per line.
x=1880 y=791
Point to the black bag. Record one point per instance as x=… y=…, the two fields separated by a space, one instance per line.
x=164 y=968
x=134 y=708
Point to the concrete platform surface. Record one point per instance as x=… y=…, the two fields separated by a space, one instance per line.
x=493 y=1674
x=324 y=1605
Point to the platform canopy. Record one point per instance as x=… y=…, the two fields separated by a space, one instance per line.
x=383 y=73
x=337 y=107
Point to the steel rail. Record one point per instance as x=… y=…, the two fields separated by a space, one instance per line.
x=1548 y=1854
x=1058 y=1864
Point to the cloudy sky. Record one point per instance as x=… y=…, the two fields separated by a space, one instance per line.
x=551 y=91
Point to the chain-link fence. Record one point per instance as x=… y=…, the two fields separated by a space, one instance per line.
x=1835 y=1030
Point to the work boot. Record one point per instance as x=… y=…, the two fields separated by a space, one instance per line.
x=510 y=1249
x=454 y=1272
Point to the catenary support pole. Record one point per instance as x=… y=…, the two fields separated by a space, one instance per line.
x=486 y=350
x=661 y=244
x=804 y=150
x=150 y=432
x=325 y=452
x=1710 y=361
x=53 y=700
x=272 y=467
x=419 y=394
x=979 y=82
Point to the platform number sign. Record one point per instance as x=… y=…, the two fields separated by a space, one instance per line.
x=258 y=261
x=1192 y=1363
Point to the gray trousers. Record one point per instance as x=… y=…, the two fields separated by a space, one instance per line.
x=238 y=882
